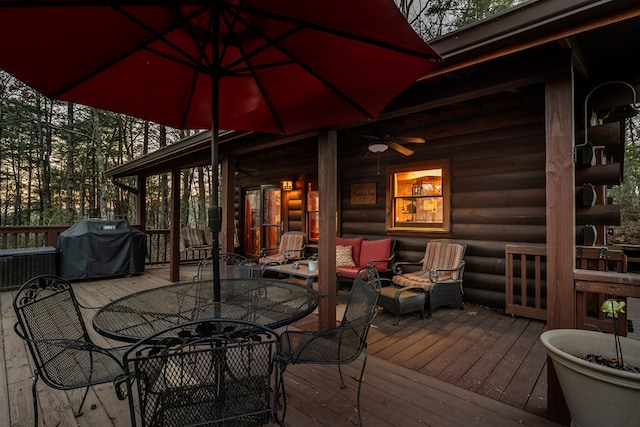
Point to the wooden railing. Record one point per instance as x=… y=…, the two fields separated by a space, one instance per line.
x=525 y=276
x=29 y=237
x=600 y=274
x=158 y=244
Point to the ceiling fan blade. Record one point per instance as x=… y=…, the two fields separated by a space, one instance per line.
x=409 y=139
x=400 y=148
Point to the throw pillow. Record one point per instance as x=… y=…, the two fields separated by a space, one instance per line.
x=354 y=242
x=344 y=257
x=375 y=250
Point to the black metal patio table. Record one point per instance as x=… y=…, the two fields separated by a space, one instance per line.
x=269 y=302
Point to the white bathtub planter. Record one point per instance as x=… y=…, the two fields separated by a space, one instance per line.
x=596 y=395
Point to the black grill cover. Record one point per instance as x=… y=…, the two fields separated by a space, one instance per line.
x=96 y=248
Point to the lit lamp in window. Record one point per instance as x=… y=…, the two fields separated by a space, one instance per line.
x=287 y=185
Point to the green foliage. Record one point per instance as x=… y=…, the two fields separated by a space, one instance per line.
x=50 y=170
x=433 y=18
x=627 y=194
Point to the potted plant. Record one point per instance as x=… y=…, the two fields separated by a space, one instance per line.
x=597 y=394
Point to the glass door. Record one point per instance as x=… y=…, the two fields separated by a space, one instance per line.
x=262 y=220
x=272 y=219
x=252 y=225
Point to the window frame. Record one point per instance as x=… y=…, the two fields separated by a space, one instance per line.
x=390 y=222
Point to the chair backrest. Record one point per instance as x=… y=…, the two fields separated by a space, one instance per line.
x=201 y=372
x=47 y=310
x=292 y=244
x=205 y=270
x=362 y=307
x=443 y=255
x=229 y=266
x=191 y=236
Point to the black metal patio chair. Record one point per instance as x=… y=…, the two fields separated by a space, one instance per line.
x=232 y=266
x=208 y=372
x=65 y=357
x=345 y=343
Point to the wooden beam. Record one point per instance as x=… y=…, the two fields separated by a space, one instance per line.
x=174 y=227
x=560 y=187
x=328 y=189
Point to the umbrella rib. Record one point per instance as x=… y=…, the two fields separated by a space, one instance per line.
x=295 y=59
x=154 y=36
x=184 y=23
x=246 y=59
x=343 y=34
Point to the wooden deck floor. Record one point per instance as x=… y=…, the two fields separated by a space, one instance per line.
x=472 y=367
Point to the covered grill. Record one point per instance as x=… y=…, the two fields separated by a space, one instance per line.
x=97 y=248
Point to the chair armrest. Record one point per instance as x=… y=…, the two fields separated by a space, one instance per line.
x=121 y=385
x=397 y=267
x=389 y=262
x=293 y=254
x=458 y=269
x=264 y=266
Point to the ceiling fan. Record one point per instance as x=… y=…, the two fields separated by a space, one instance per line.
x=382 y=141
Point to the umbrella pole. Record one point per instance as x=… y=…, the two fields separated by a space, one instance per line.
x=215 y=217
x=215 y=211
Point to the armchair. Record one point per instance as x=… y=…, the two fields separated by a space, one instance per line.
x=438 y=283
x=292 y=247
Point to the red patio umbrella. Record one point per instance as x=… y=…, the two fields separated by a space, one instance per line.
x=276 y=66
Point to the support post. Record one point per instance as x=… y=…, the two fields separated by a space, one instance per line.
x=328 y=189
x=560 y=213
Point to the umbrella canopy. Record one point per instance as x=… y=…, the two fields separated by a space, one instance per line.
x=275 y=66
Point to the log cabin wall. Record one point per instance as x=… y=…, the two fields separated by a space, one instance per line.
x=496 y=146
x=297 y=162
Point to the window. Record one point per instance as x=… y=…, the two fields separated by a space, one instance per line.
x=418 y=197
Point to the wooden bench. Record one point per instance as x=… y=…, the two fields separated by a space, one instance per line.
x=195 y=243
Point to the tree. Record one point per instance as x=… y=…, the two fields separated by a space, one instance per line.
x=433 y=18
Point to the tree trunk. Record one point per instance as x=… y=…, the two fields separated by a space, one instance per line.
x=101 y=185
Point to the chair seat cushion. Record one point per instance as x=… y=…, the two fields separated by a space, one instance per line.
x=391 y=291
x=419 y=279
x=272 y=258
x=347 y=272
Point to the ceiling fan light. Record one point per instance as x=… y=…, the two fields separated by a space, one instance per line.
x=378 y=147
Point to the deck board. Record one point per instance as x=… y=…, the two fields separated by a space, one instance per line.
x=413 y=375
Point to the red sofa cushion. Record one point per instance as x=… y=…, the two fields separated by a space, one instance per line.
x=347 y=272
x=375 y=250
x=355 y=243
